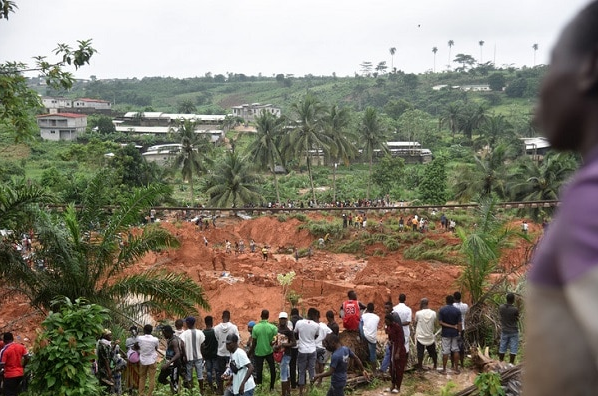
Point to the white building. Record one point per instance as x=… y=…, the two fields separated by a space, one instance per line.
x=61 y=126
x=86 y=103
x=57 y=104
x=249 y=112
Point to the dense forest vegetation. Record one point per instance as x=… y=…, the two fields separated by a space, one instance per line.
x=474 y=136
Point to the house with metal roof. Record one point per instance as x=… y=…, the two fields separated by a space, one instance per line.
x=61 y=126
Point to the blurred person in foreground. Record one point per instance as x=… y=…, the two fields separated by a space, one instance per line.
x=561 y=350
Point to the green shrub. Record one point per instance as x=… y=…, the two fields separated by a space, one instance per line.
x=391 y=244
x=488 y=384
x=299 y=216
x=321 y=228
x=423 y=251
x=64 y=350
x=353 y=246
x=282 y=218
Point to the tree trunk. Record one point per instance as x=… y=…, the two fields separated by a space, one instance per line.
x=370 y=179
x=275 y=179
x=311 y=179
x=334 y=183
x=191 y=185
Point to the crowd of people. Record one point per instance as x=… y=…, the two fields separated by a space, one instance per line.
x=300 y=351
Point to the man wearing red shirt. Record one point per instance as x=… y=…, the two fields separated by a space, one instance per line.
x=351 y=312
x=13 y=357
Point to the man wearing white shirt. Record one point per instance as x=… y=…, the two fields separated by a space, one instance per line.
x=307 y=331
x=148 y=355
x=322 y=355
x=221 y=331
x=241 y=367
x=193 y=338
x=425 y=324
x=405 y=314
x=370 y=323
x=463 y=308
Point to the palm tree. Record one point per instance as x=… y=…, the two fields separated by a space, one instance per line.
x=232 y=183
x=85 y=252
x=482 y=247
x=372 y=137
x=493 y=129
x=392 y=51
x=434 y=51
x=451 y=117
x=307 y=136
x=17 y=204
x=472 y=118
x=481 y=43
x=337 y=121
x=535 y=48
x=450 y=45
x=533 y=181
x=193 y=154
x=264 y=148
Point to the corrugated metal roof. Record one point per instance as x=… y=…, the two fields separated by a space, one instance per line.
x=143 y=129
x=67 y=115
x=535 y=143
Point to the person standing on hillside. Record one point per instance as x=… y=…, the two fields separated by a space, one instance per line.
x=350 y=312
x=369 y=329
x=263 y=335
x=131 y=374
x=193 y=339
x=398 y=355
x=178 y=327
x=221 y=331
x=388 y=310
x=14 y=358
x=509 y=324
x=425 y=325
x=241 y=368
x=295 y=317
x=561 y=328
x=449 y=318
x=464 y=308
x=172 y=365
x=285 y=341
x=104 y=357
x=210 y=352
x=307 y=331
x=148 y=356
x=321 y=352
x=405 y=313
x=332 y=325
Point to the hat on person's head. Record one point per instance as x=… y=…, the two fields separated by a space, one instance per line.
x=251 y=323
x=232 y=338
x=106 y=332
x=190 y=320
x=283 y=315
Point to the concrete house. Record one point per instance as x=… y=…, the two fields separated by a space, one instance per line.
x=61 y=126
x=96 y=104
x=249 y=112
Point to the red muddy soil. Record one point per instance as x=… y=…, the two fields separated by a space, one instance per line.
x=250 y=283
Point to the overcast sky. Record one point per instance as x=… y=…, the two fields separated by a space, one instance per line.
x=137 y=38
